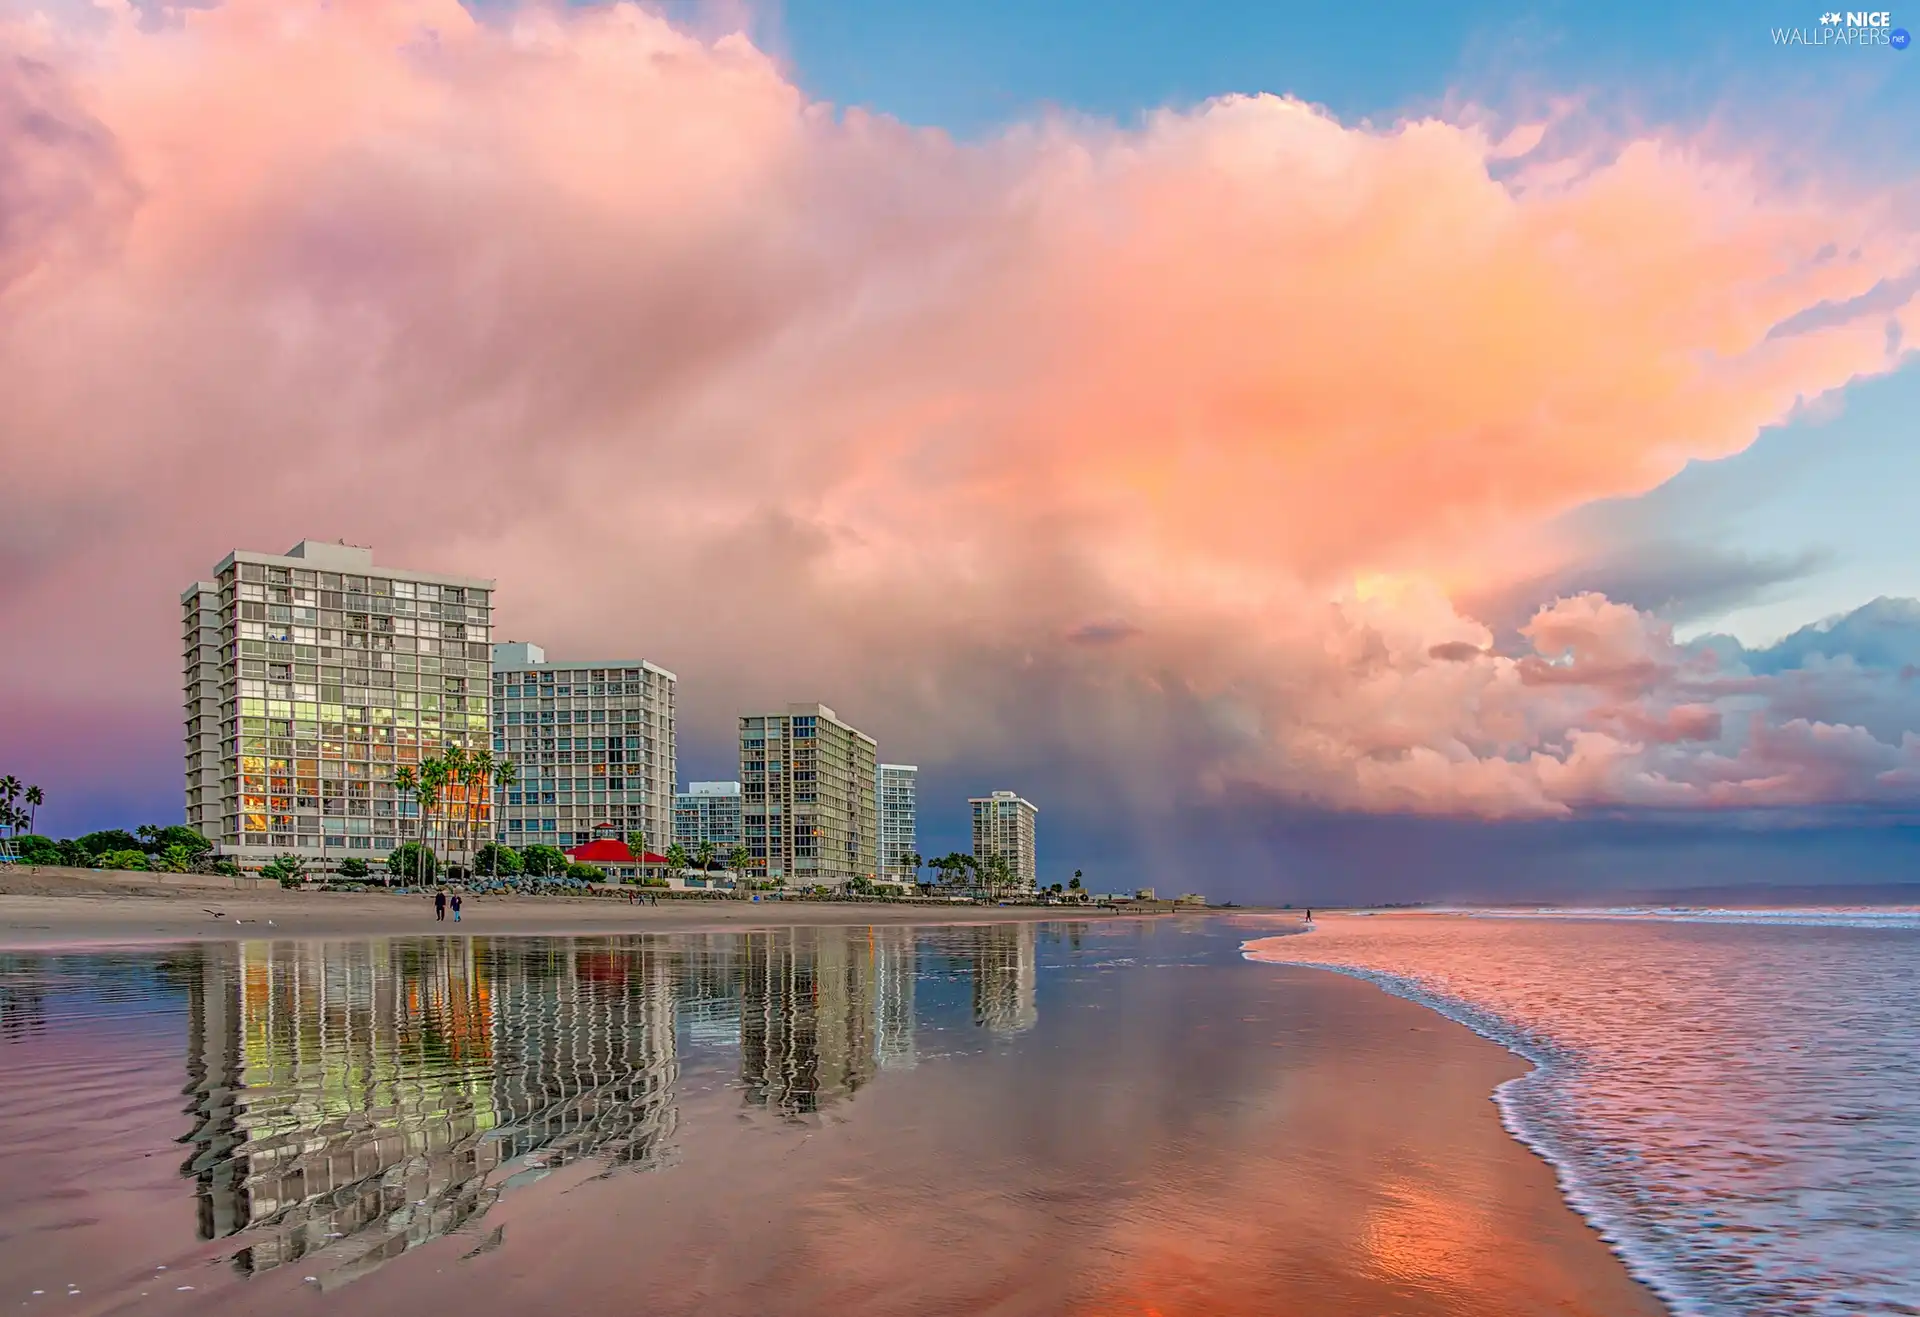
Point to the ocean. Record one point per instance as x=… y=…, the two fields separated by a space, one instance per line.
x=1731 y=1097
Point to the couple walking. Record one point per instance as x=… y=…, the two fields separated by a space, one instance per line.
x=440 y=906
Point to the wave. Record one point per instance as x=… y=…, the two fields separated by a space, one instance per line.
x=1530 y=1108
x=1890 y=917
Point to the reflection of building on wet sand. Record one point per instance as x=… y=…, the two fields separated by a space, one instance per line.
x=365 y=1098
x=1005 y=976
x=807 y=1017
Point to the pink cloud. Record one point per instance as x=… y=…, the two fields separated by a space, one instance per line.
x=813 y=403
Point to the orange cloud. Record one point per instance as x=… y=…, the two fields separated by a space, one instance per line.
x=803 y=401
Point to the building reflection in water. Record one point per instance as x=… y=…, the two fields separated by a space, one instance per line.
x=373 y=1096
x=363 y=1098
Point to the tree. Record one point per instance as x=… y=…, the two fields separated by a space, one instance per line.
x=354 y=868
x=160 y=840
x=494 y=859
x=131 y=858
x=433 y=776
x=912 y=859
x=175 y=859
x=703 y=855
x=414 y=860
x=38 y=850
x=405 y=784
x=737 y=860
x=456 y=772
x=35 y=799
x=542 y=861
x=589 y=872
x=504 y=776
x=677 y=857
x=96 y=844
x=289 y=869
x=1074 y=886
x=637 y=843
x=9 y=792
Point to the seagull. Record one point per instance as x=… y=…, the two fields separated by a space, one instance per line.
x=217 y=914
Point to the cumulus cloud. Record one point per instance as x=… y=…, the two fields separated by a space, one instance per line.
x=808 y=403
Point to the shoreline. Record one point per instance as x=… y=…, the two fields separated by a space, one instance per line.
x=48 y=912
x=1506 y=1097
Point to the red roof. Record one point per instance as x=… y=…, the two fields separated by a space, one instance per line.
x=610 y=850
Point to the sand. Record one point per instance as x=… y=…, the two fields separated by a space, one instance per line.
x=52 y=907
x=1228 y=1140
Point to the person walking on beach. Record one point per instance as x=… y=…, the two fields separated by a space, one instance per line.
x=440 y=906
x=456 y=907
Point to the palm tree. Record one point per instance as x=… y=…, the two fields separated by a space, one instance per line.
x=9 y=792
x=737 y=859
x=676 y=857
x=455 y=763
x=433 y=776
x=703 y=855
x=35 y=799
x=405 y=783
x=479 y=791
x=1074 y=886
x=913 y=860
x=637 y=843
x=504 y=776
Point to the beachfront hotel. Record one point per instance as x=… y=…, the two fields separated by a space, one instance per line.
x=806 y=782
x=894 y=788
x=592 y=744
x=708 y=812
x=310 y=677
x=1003 y=826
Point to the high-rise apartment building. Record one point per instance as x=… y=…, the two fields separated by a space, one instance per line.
x=806 y=782
x=894 y=788
x=310 y=677
x=592 y=745
x=1003 y=826
x=708 y=812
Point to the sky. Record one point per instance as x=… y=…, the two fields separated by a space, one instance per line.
x=1283 y=444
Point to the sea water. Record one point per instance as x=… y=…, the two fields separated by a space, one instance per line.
x=1731 y=1096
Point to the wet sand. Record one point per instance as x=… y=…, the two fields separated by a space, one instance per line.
x=1184 y=1141
x=54 y=907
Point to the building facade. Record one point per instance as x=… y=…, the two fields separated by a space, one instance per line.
x=708 y=812
x=1004 y=826
x=592 y=745
x=310 y=677
x=894 y=790
x=807 y=807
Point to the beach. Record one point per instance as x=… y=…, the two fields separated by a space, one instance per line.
x=51 y=907
x=1086 y=1116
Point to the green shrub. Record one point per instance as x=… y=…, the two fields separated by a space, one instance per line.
x=586 y=871
x=413 y=860
x=111 y=841
x=38 y=850
x=126 y=859
x=541 y=861
x=495 y=861
x=354 y=868
x=289 y=869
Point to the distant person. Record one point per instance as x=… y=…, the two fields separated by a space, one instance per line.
x=440 y=906
x=1309 y=916
x=456 y=907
